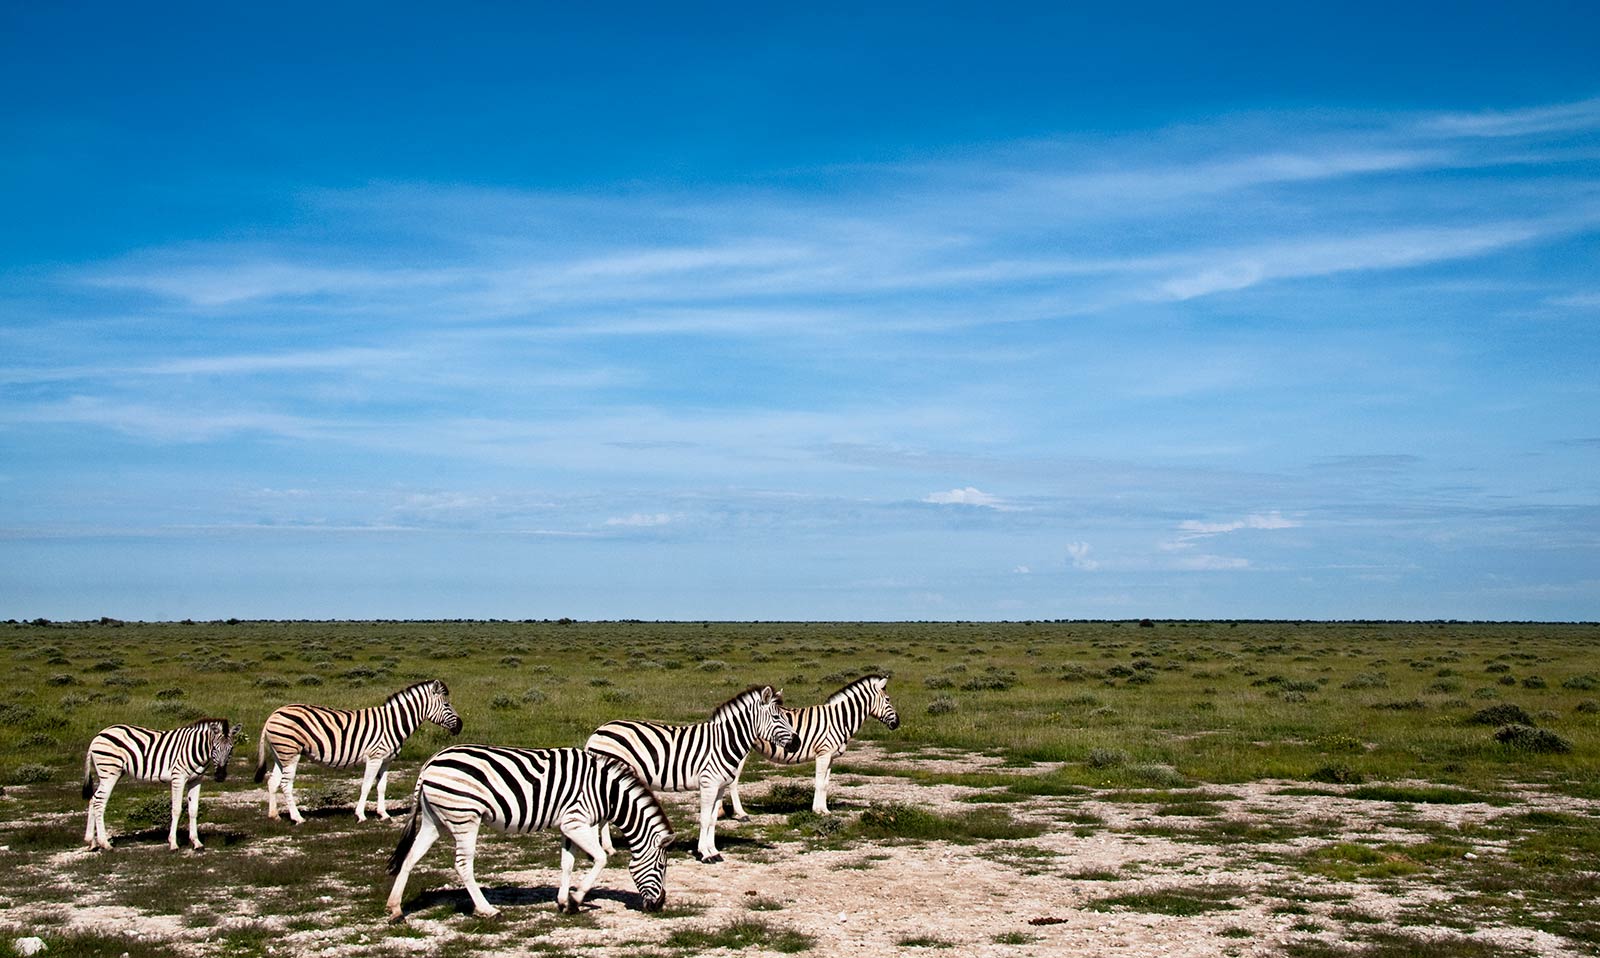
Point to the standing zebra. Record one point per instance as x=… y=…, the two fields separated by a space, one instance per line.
x=180 y=756
x=343 y=737
x=823 y=731
x=525 y=790
x=706 y=756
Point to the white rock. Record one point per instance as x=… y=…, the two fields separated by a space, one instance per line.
x=29 y=946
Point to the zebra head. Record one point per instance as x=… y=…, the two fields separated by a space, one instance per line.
x=648 y=866
x=221 y=738
x=772 y=722
x=437 y=707
x=880 y=707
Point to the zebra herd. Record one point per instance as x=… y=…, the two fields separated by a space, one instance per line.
x=611 y=781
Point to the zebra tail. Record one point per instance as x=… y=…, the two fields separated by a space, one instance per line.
x=88 y=774
x=408 y=837
x=261 y=757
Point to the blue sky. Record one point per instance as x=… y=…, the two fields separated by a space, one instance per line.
x=986 y=312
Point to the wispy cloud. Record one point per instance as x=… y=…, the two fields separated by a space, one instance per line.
x=1197 y=529
x=966 y=497
x=1078 y=552
x=640 y=520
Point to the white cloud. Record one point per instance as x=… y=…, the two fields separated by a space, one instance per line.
x=1196 y=529
x=1212 y=563
x=965 y=497
x=1022 y=570
x=1079 y=552
x=640 y=520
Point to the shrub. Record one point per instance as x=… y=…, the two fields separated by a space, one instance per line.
x=938 y=682
x=1154 y=773
x=503 y=702
x=1530 y=739
x=534 y=696
x=1504 y=713
x=62 y=678
x=1535 y=682
x=942 y=705
x=272 y=682
x=713 y=665
x=1582 y=683
x=1366 y=680
x=1107 y=758
x=1340 y=742
x=171 y=693
x=308 y=680
x=1588 y=706
x=152 y=811
x=31 y=773
x=992 y=679
x=1337 y=773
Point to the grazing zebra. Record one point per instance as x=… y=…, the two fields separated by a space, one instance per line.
x=343 y=737
x=823 y=731
x=525 y=790
x=180 y=756
x=707 y=756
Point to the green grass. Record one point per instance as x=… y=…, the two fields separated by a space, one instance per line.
x=1183 y=902
x=741 y=934
x=1157 y=720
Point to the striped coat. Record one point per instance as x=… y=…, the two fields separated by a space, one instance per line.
x=344 y=737
x=824 y=731
x=705 y=756
x=525 y=790
x=180 y=756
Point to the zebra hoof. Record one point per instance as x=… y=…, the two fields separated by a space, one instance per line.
x=741 y=818
x=711 y=859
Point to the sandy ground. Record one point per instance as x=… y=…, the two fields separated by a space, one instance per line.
x=867 y=900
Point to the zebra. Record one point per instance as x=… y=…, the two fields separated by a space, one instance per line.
x=823 y=731
x=525 y=790
x=706 y=756
x=343 y=737
x=180 y=756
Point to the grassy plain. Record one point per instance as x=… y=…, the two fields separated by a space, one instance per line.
x=1085 y=715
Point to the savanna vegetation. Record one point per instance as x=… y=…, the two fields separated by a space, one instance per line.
x=1075 y=723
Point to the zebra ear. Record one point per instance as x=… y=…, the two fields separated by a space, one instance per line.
x=767 y=694
x=234 y=732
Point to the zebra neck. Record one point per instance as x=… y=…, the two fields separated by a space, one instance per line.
x=851 y=711
x=407 y=714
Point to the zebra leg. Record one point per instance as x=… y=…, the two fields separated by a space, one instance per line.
x=466 y=836
x=587 y=838
x=710 y=795
x=367 y=778
x=180 y=783
x=427 y=834
x=819 y=796
x=739 y=814
x=96 y=835
x=274 y=782
x=605 y=838
x=383 y=785
x=194 y=813
x=288 y=791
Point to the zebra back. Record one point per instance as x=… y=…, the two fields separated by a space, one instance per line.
x=676 y=757
x=149 y=755
x=339 y=737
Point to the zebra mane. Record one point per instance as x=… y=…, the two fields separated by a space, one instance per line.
x=739 y=701
x=416 y=687
x=208 y=722
x=840 y=695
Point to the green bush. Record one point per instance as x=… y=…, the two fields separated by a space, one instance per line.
x=1504 y=713
x=1530 y=739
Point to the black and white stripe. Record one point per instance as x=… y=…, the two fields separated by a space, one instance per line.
x=180 y=756
x=525 y=790
x=823 y=732
x=706 y=756
x=343 y=737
